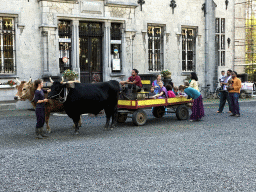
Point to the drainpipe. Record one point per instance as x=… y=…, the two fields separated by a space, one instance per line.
x=206 y=42
x=133 y=36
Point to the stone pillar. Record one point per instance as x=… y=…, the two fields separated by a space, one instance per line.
x=45 y=34
x=106 y=71
x=210 y=59
x=75 y=47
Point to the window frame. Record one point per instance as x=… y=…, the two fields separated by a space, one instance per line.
x=116 y=35
x=4 y=71
x=220 y=43
x=193 y=48
x=155 y=66
x=65 y=34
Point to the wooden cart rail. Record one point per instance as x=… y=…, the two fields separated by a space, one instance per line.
x=147 y=103
x=178 y=105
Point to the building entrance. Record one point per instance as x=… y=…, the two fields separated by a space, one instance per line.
x=90 y=51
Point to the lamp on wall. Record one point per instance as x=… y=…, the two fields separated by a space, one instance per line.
x=203 y=8
x=141 y=2
x=226 y=2
x=228 y=40
x=173 y=5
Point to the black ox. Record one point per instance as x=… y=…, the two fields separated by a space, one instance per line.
x=80 y=98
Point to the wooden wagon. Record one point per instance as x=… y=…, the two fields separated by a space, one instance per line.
x=178 y=105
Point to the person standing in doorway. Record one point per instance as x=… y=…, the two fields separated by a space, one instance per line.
x=40 y=108
x=234 y=92
x=224 y=95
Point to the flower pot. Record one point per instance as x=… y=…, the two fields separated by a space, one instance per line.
x=69 y=78
x=167 y=77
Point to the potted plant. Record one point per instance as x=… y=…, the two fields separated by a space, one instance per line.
x=69 y=75
x=11 y=83
x=166 y=73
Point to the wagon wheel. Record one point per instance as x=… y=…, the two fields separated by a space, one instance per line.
x=182 y=112
x=121 y=117
x=158 y=112
x=139 y=117
x=242 y=95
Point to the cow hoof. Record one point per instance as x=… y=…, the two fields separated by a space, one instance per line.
x=113 y=126
x=76 y=132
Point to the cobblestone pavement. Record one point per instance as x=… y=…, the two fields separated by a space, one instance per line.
x=216 y=154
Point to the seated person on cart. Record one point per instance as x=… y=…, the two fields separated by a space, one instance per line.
x=134 y=83
x=152 y=92
x=162 y=92
x=169 y=88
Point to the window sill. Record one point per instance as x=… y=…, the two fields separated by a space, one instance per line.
x=62 y=1
x=186 y=73
x=7 y=76
x=116 y=75
x=7 y=87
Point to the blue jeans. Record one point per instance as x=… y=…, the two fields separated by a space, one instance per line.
x=234 y=102
x=224 y=96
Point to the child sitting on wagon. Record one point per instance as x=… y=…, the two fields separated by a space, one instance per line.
x=170 y=93
x=152 y=92
x=175 y=90
x=162 y=92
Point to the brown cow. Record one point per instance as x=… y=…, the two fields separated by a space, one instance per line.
x=26 y=91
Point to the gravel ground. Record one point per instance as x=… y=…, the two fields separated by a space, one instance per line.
x=216 y=154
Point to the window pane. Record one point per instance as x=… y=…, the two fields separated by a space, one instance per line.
x=217 y=24
x=183 y=44
x=183 y=65
x=190 y=45
x=190 y=33
x=190 y=66
x=218 y=56
x=190 y=56
x=217 y=41
x=222 y=42
x=115 y=31
x=150 y=31
x=222 y=58
x=223 y=25
x=7 y=24
x=184 y=55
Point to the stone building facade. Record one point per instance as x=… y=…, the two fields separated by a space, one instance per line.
x=42 y=38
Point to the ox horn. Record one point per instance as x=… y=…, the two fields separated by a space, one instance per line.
x=62 y=79
x=18 y=81
x=51 y=79
x=30 y=80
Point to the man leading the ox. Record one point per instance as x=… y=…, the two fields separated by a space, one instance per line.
x=134 y=83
